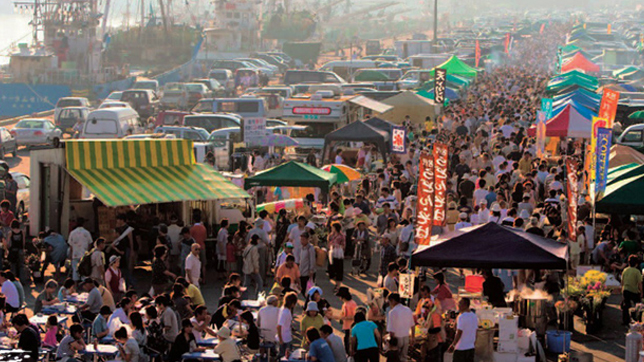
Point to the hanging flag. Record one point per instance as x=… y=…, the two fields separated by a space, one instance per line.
x=546 y=107
x=425 y=202
x=543 y=27
x=440 y=80
x=608 y=106
x=602 y=152
x=592 y=170
x=573 y=196
x=507 y=43
x=608 y=29
x=440 y=183
x=398 y=137
x=477 y=54
x=541 y=134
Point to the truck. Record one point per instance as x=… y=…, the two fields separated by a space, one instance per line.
x=321 y=113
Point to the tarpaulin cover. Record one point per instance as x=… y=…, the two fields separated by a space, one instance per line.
x=295 y=174
x=492 y=246
x=568 y=123
x=579 y=61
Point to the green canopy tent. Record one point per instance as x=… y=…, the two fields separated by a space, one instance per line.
x=626 y=70
x=569 y=48
x=370 y=75
x=456 y=66
x=621 y=172
x=636 y=115
x=623 y=197
x=586 y=93
x=567 y=84
x=583 y=44
x=295 y=174
x=574 y=75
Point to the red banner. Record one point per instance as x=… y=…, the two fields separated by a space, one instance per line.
x=425 y=207
x=608 y=106
x=477 y=54
x=543 y=27
x=573 y=196
x=440 y=183
x=507 y=43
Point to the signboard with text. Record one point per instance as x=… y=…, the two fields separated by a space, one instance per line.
x=602 y=152
x=440 y=183
x=398 y=137
x=608 y=106
x=425 y=206
x=406 y=285
x=573 y=196
x=440 y=81
x=254 y=129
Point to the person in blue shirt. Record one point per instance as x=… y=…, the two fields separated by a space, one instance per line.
x=99 y=326
x=365 y=339
x=56 y=251
x=319 y=350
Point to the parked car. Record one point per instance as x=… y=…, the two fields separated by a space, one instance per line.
x=111 y=123
x=8 y=143
x=196 y=92
x=231 y=65
x=170 y=118
x=70 y=102
x=69 y=116
x=219 y=144
x=196 y=134
x=266 y=68
x=225 y=77
x=310 y=76
x=175 y=95
x=272 y=59
x=213 y=121
x=215 y=89
x=114 y=96
x=143 y=101
x=36 y=131
x=114 y=104
x=148 y=84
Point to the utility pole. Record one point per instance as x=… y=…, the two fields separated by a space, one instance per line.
x=142 y=14
x=435 y=26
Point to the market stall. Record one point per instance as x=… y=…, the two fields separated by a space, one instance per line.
x=570 y=122
x=102 y=178
x=294 y=174
x=356 y=132
x=624 y=155
x=410 y=104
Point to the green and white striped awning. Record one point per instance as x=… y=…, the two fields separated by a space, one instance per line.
x=134 y=172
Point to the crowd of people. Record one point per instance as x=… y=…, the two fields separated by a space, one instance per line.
x=494 y=175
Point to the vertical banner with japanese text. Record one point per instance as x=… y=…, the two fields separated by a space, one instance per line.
x=573 y=196
x=602 y=152
x=507 y=43
x=440 y=183
x=546 y=107
x=592 y=170
x=608 y=106
x=541 y=134
x=477 y=54
x=425 y=206
x=440 y=80
x=398 y=137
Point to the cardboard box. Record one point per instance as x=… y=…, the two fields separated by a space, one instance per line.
x=508 y=346
x=524 y=339
x=505 y=357
x=508 y=328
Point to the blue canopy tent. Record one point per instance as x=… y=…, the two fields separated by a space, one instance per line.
x=582 y=110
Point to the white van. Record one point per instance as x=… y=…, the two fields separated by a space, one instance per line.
x=111 y=123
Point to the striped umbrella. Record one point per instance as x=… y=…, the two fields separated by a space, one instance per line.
x=344 y=173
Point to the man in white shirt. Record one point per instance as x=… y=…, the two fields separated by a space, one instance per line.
x=200 y=323
x=294 y=237
x=10 y=292
x=466 y=326
x=193 y=265
x=222 y=240
x=400 y=324
x=480 y=193
x=79 y=241
x=267 y=319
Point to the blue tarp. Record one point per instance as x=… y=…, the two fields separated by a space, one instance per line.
x=18 y=99
x=578 y=100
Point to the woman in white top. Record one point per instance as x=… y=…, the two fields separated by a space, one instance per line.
x=284 y=322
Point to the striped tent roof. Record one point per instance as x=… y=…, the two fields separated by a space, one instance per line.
x=134 y=172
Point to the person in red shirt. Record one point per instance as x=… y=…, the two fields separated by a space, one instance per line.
x=199 y=233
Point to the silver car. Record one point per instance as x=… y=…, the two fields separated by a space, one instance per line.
x=36 y=131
